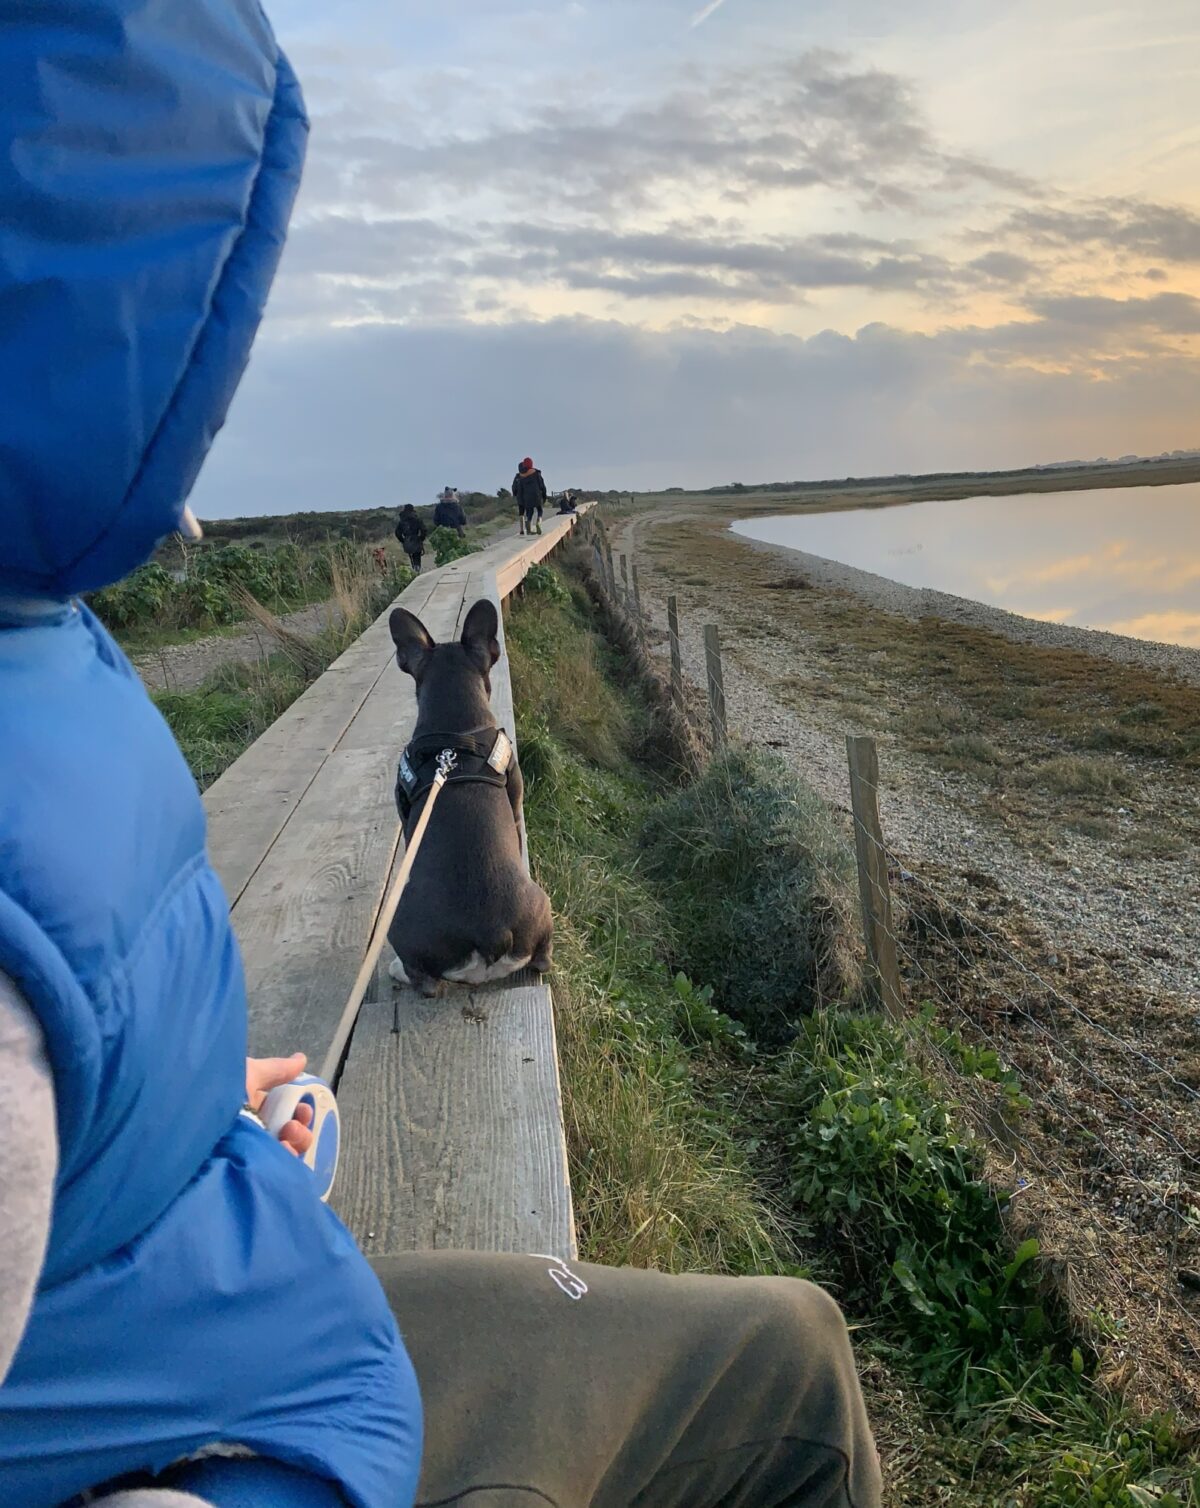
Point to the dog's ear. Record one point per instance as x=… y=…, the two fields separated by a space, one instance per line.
x=412 y=641
x=480 y=635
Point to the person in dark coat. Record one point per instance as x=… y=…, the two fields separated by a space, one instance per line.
x=529 y=489
x=566 y=502
x=410 y=531
x=448 y=514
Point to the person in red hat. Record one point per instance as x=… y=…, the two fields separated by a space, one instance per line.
x=529 y=489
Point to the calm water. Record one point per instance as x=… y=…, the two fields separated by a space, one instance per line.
x=1122 y=558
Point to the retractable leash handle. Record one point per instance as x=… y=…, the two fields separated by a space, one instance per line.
x=280 y=1106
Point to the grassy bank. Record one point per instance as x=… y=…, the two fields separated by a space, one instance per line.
x=732 y=1108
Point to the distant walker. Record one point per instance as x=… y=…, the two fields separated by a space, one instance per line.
x=448 y=514
x=529 y=489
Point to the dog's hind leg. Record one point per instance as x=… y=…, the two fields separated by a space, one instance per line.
x=543 y=955
x=415 y=976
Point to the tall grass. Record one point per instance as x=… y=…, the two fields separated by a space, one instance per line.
x=761 y=888
x=658 y=1175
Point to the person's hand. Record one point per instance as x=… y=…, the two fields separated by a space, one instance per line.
x=265 y=1074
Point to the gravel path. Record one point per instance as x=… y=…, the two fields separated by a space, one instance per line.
x=1147 y=910
x=182 y=667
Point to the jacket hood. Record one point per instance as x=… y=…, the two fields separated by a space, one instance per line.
x=149 y=157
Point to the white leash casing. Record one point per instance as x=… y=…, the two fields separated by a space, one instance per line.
x=280 y=1107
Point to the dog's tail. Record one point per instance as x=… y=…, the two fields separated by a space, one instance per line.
x=502 y=948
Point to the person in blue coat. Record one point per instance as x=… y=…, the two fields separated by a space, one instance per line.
x=182 y=1321
x=192 y=1293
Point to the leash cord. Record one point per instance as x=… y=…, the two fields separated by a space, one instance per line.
x=447 y=760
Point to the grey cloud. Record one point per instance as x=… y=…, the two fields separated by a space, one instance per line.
x=813 y=120
x=1165 y=232
x=684 y=262
x=680 y=284
x=1169 y=313
x=1003 y=266
x=352 y=246
x=1076 y=330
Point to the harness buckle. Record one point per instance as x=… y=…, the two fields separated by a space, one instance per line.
x=447 y=761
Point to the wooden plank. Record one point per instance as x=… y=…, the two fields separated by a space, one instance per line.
x=452 y=1128
x=387 y=717
x=252 y=802
x=504 y=711
x=513 y=572
x=305 y=918
x=874 y=888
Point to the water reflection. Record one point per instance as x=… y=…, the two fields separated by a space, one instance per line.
x=1123 y=558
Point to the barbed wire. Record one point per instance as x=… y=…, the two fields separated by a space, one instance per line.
x=972 y=964
x=1032 y=973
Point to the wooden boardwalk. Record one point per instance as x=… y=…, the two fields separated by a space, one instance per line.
x=452 y=1126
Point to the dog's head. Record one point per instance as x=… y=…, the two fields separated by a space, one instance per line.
x=451 y=678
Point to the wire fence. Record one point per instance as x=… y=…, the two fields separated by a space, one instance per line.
x=1100 y=1155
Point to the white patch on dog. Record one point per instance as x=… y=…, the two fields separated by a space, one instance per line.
x=475 y=971
x=396 y=970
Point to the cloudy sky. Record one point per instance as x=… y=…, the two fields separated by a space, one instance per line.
x=667 y=242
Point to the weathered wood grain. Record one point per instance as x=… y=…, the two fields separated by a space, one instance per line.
x=452 y=1128
x=306 y=916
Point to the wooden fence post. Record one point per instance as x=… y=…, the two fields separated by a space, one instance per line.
x=676 y=657
x=873 y=874
x=716 y=689
x=612 y=575
x=637 y=603
x=624 y=583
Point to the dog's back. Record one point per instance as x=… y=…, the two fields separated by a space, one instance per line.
x=470 y=912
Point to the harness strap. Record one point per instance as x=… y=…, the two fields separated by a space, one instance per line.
x=483 y=757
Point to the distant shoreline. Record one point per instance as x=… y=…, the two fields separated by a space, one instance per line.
x=927 y=602
x=883 y=492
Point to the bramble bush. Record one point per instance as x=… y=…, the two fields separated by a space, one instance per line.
x=210 y=593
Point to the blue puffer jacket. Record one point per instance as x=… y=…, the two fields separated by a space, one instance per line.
x=195 y=1291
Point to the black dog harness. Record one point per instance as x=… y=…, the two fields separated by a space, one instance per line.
x=478 y=758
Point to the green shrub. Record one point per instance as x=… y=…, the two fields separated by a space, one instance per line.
x=448 y=545
x=544 y=581
x=137 y=599
x=216 y=579
x=760 y=889
x=877 y=1160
